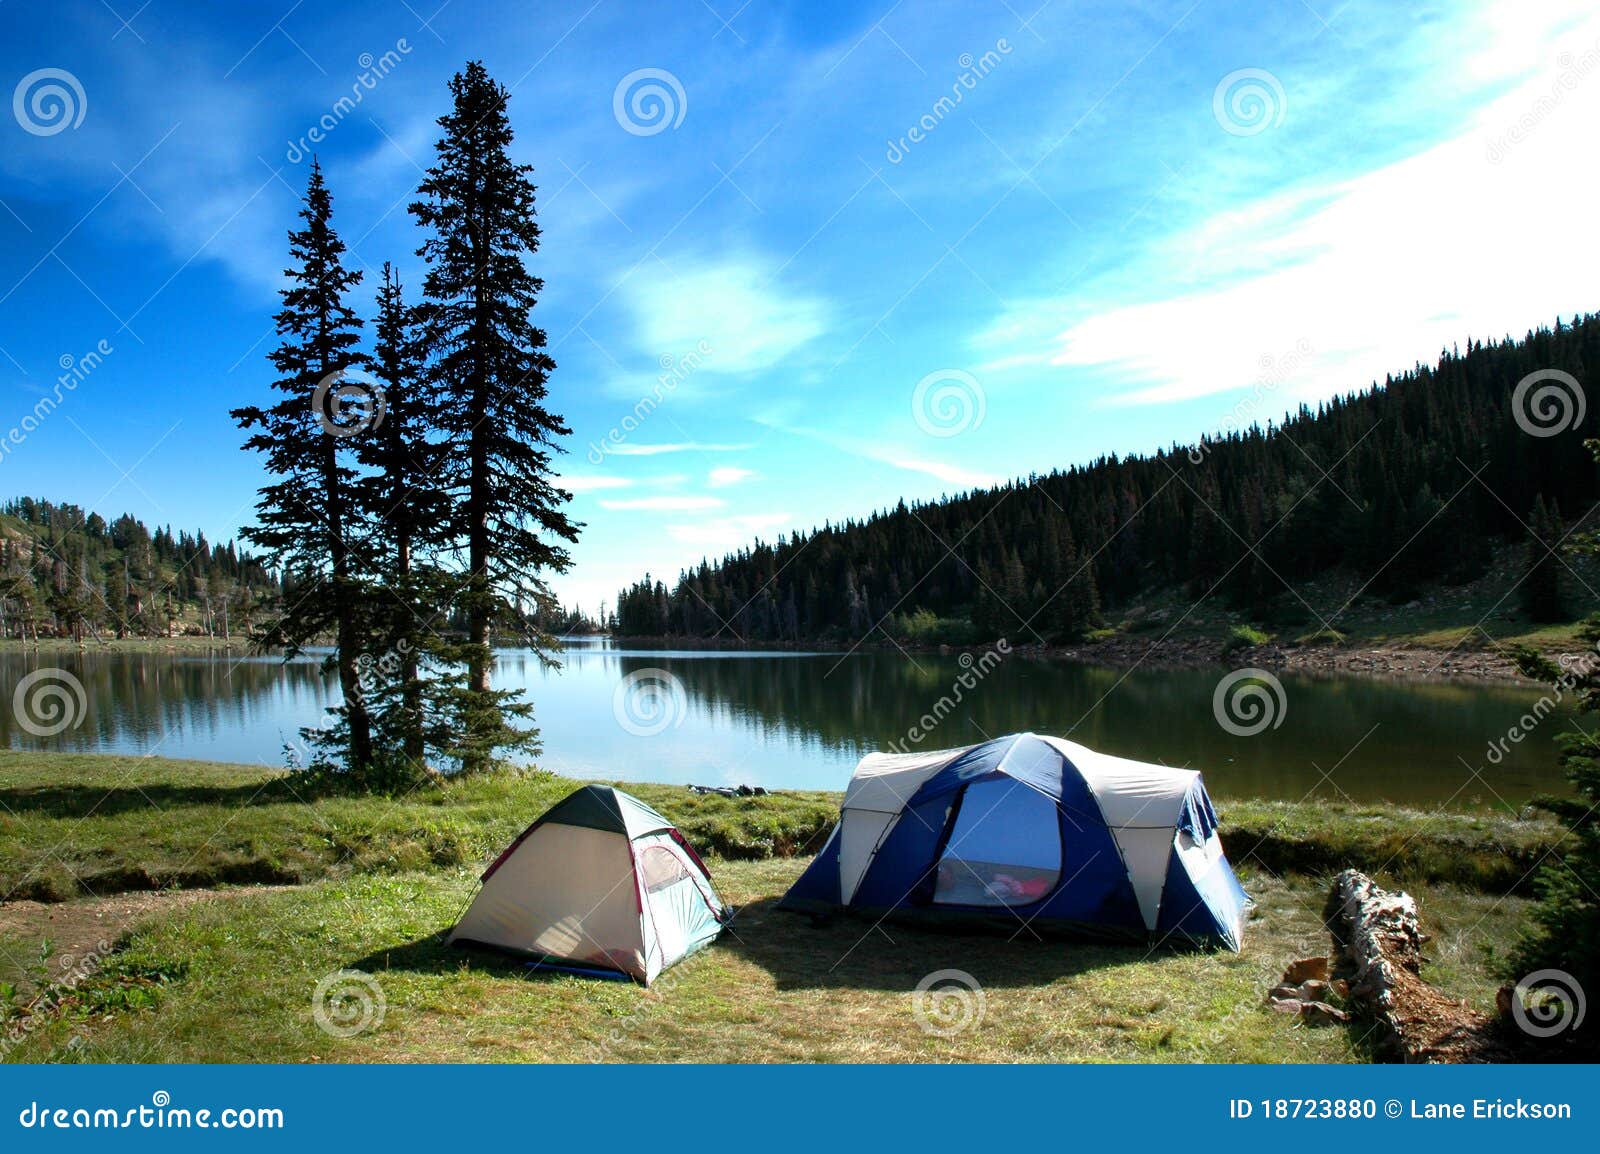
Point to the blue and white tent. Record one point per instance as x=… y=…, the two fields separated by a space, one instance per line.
x=1028 y=829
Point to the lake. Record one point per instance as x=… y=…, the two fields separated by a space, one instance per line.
x=802 y=720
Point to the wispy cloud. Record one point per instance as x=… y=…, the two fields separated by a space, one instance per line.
x=592 y=483
x=951 y=474
x=725 y=475
x=885 y=454
x=632 y=450
x=666 y=504
x=1371 y=273
x=731 y=532
x=735 y=306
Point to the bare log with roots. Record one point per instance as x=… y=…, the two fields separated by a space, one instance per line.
x=1379 y=943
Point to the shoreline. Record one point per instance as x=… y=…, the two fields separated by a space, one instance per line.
x=1377 y=659
x=1381 y=660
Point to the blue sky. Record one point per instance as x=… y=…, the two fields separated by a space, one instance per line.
x=1139 y=223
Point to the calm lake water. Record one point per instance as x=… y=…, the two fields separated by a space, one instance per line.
x=802 y=720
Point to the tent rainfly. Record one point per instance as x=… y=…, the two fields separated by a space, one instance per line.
x=1029 y=830
x=601 y=884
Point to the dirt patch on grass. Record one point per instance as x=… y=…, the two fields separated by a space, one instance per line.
x=77 y=930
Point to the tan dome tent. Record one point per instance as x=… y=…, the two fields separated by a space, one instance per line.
x=602 y=885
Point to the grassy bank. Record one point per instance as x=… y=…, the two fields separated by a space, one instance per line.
x=75 y=825
x=372 y=884
x=238 y=644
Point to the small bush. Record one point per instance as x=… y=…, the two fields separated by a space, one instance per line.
x=1244 y=637
x=927 y=628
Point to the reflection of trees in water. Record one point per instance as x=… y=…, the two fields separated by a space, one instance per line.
x=135 y=698
x=1404 y=741
x=870 y=701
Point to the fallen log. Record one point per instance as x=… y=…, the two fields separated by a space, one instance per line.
x=1378 y=951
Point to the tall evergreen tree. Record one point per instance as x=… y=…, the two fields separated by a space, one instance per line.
x=1541 y=587
x=1075 y=609
x=304 y=515
x=1564 y=935
x=403 y=505
x=490 y=369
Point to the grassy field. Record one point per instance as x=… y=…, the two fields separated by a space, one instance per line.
x=213 y=972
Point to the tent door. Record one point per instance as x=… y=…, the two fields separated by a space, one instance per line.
x=678 y=910
x=1004 y=849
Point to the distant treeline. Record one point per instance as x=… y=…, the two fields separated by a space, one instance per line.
x=68 y=572
x=1402 y=487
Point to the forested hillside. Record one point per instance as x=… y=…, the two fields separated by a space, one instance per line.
x=65 y=572
x=1402 y=489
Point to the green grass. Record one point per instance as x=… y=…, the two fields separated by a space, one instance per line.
x=229 y=975
x=84 y=824
x=234 y=981
x=1493 y=852
x=1244 y=637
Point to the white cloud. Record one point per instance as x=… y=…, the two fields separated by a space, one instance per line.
x=631 y=450
x=949 y=474
x=666 y=504
x=746 y=320
x=1328 y=289
x=592 y=483
x=732 y=532
x=886 y=454
x=725 y=475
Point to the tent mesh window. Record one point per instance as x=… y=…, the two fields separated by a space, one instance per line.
x=1005 y=849
x=660 y=868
